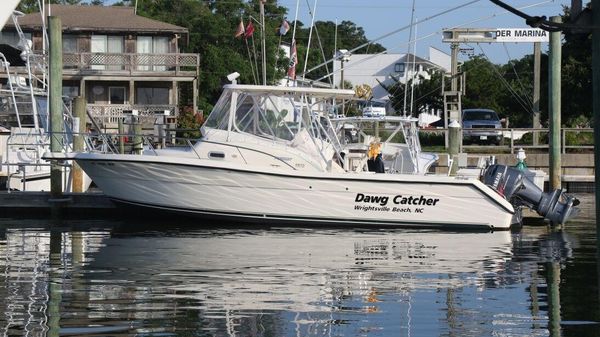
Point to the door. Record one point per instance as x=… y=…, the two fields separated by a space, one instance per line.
x=116 y=95
x=99 y=48
x=143 y=46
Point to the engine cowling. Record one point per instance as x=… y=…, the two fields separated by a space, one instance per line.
x=514 y=185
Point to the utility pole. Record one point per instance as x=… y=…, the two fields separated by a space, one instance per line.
x=554 y=101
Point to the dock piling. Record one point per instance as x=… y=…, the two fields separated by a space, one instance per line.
x=56 y=104
x=79 y=106
x=554 y=101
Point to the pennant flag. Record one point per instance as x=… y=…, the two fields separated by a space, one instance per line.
x=240 y=29
x=249 y=30
x=284 y=28
x=293 y=61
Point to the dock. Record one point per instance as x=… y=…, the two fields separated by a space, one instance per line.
x=35 y=204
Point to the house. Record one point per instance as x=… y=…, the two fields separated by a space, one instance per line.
x=375 y=69
x=119 y=61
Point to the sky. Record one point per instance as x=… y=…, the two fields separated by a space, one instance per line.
x=380 y=17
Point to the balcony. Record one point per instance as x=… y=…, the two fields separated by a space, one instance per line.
x=120 y=64
x=108 y=115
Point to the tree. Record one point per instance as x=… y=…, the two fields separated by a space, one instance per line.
x=426 y=93
x=349 y=37
x=576 y=84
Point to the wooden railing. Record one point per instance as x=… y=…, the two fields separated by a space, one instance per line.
x=174 y=63
x=109 y=114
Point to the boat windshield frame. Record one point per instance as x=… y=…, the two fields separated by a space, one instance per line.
x=276 y=113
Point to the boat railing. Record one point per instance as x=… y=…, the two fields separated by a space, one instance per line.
x=22 y=169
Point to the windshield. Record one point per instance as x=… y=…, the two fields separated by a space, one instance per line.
x=479 y=115
x=377 y=104
x=275 y=116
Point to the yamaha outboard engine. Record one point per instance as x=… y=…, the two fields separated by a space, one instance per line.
x=520 y=191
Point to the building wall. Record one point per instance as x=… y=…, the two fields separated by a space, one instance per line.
x=373 y=69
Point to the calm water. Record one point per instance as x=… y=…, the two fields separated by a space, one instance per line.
x=105 y=278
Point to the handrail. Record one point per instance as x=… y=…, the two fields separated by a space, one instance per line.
x=514 y=139
x=170 y=63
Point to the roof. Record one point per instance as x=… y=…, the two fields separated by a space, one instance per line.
x=100 y=18
x=277 y=90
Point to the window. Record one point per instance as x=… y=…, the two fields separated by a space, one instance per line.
x=12 y=38
x=152 y=95
x=69 y=43
x=160 y=46
x=98 y=94
x=98 y=46
x=152 y=45
x=116 y=95
x=103 y=44
x=115 y=46
x=70 y=91
x=399 y=67
x=144 y=46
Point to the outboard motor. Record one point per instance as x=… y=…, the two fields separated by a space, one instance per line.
x=520 y=191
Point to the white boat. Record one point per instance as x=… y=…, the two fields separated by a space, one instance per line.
x=24 y=119
x=400 y=148
x=270 y=154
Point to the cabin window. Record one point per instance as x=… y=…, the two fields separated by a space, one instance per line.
x=216 y=155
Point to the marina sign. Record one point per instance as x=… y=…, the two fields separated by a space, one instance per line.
x=522 y=35
x=492 y=35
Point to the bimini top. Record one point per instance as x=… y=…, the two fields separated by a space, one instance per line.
x=276 y=90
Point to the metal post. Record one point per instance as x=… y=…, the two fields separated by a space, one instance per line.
x=342 y=84
x=554 y=101
x=454 y=112
x=121 y=136
x=137 y=136
x=536 y=90
x=454 y=67
x=56 y=104
x=454 y=131
x=262 y=29
x=79 y=106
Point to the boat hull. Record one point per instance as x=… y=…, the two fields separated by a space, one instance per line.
x=218 y=190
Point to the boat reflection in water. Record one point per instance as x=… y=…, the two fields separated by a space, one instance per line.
x=273 y=282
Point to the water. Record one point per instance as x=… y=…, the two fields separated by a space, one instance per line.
x=123 y=278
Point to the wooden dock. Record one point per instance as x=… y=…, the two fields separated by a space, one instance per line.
x=19 y=204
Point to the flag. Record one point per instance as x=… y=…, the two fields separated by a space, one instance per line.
x=249 y=30
x=293 y=61
x=240 y=29
x=284 y=28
